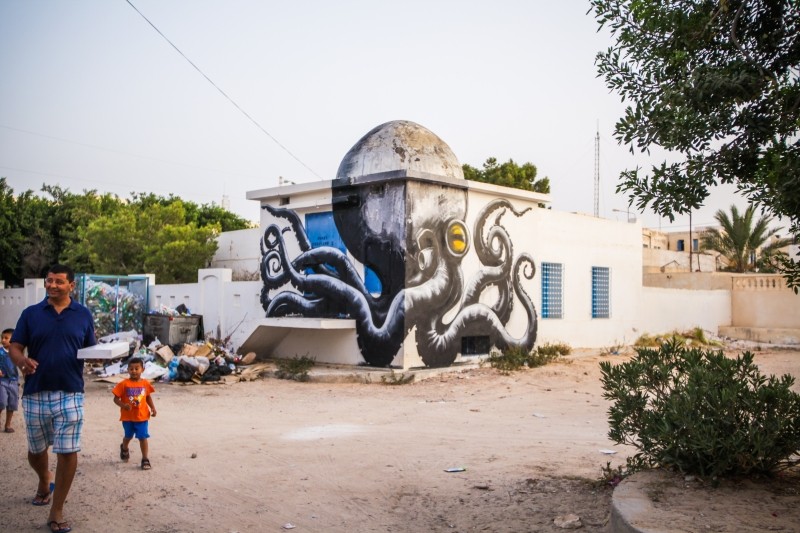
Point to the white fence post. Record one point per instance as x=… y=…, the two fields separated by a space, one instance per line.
x=212 y=283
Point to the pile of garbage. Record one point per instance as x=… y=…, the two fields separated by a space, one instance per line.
x=113 y=307
x=207 y=361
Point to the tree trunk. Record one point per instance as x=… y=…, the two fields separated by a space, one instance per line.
x=691 y=267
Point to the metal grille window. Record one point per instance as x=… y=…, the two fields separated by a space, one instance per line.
x=552 y=290
x=601 y=292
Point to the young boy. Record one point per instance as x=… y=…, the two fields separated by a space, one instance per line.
x=9 y=381
x=133 y=396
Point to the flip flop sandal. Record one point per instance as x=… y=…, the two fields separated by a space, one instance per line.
x=124 y=453
x=146 y=464
x=59 y=527
x=40 y=499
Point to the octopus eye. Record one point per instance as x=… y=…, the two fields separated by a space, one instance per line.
x=457 y=238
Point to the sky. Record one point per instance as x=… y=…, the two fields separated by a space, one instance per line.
x=94 y=98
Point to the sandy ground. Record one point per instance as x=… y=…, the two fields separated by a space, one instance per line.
x=341 y=457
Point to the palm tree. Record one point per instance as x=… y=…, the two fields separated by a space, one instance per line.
x=740 y=238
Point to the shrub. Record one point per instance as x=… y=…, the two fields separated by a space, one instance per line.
x=295 y=368
x=515 y=358
x=509 y=360
x=397 y=378
x=701 y=412
x=693 y=337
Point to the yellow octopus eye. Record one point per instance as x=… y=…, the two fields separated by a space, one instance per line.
x=457 y=238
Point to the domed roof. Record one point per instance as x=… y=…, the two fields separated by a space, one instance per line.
x=400 y=145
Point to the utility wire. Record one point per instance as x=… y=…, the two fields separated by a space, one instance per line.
x=113 y=150
x=223 y=92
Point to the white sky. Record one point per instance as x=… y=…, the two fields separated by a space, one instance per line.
x=92 y=97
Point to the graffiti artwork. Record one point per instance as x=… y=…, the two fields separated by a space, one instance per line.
x=399 y=209
x=418 y=265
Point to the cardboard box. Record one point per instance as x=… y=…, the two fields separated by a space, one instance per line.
x=105 y=351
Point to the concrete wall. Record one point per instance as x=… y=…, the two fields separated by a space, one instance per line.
x=13 y=301
x=663 y=310
x=655 y=260
x=688 y=280
x=764 y=302
x=580 y=242
x=239 y=251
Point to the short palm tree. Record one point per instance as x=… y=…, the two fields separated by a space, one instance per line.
x=740 y=237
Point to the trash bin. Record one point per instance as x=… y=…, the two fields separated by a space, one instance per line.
x=117 y=303
x=172 y=330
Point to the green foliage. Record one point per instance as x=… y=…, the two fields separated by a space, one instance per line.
x=509 y=360
x=508 y=174
x=295 y=368
x=156 y=239
x=693 y=337
x=716 y=85
x=397 y=378
x=103 y=234
x=740 y=237
x=515 y=358
x=611 y=476
x=554 y=349
x=701 y=412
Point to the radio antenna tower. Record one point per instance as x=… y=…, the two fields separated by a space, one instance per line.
x=597 y=171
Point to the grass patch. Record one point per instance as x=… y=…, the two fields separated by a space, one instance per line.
x=693 y=337
x=396 y=378
x=295 y=368
x=516 y=358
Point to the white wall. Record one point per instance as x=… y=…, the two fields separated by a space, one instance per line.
x=580 y=242
x=664 y=310
x=13 y=301
x=242 y=305
x=174 y=295
x=239 y=251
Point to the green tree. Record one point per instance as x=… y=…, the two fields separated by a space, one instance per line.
x=36 y=243
x=717 y=85
x=103 y=234
x=69 y=212
x=151 y=238
x=201 y=215
x=113 y=244
x=741 y=237
x=508 y=174
x=178 y=251
x=11 y=241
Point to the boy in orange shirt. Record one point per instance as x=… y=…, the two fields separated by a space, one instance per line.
x=133 y=396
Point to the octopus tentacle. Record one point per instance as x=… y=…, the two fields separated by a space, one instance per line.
x=291 y=303
x=438 y=343
x=382 y=339
x=487 y=253
x=294 y=220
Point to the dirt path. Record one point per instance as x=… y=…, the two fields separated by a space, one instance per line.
x=343 y=457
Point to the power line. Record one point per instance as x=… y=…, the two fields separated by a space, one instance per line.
x=222 y=92
x=130 y=154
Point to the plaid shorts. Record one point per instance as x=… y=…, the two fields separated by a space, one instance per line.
x=9 y=394
x=53 y=418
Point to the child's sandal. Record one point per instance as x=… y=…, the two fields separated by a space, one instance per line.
x=124 y=453
x=146 y=464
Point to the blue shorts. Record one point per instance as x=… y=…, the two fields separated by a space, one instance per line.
x=136 y=429
x=53 y=418
x=9 y=394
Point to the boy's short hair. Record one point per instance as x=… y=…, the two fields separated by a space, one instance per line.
x=62 y=269
x=135 y=360
x=8 y=330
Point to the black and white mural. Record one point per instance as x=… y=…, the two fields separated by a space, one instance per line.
x=399 y=208
x=412 y=238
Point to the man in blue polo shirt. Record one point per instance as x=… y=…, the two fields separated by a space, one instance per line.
x=52 y=398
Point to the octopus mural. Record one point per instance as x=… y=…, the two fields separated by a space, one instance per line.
x=412 y=234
